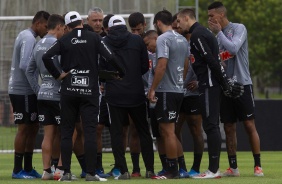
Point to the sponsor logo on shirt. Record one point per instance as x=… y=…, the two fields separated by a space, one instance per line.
x=47 y=85
x=81 y=91
x=74 y=71
x=225 y=55
x=80 y=81
x=77 y=41
x=41 y=48
x=192 y=58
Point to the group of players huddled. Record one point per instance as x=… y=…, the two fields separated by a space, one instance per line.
x=100 y=74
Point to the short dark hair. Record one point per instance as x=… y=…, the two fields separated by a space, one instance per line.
x=150 y=33
x=135 y=19
x=174 y=17
x=40 y=15
x=74 y=24
x=164 y=16
x=55 y=20
x=189 y=12
x=106 y=20
x=215 y=5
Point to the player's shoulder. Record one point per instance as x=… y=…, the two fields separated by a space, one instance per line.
x=238 y=25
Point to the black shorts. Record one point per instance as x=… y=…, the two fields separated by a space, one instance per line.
x=24 y=108
x=190 y=105
x=49 y=112
x=168 y=106
x=104 y=114
x=242 y=108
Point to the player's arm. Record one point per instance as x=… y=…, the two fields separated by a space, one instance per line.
x=30 y=75
x=110 y=57
x=144 y=58
x=216 y=68
x=233 y=45
x=48 y=58
x=26 y=52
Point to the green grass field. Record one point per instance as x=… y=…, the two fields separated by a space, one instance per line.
x=271 y=162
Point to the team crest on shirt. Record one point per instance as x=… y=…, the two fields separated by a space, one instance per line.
x=33 y=116
x=41 y=118
x=230 y=33
x=150 y=64
x=18 y=116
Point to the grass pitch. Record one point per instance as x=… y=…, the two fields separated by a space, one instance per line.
x=271 y=162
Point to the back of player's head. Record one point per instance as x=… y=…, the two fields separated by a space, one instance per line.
x=40 y=15
x=95 y=10
x=135 y=19
x=164 y=16
x=150 y=33
x=106 y=20
x=174 y=17
x=55 y=20
x=188 y=12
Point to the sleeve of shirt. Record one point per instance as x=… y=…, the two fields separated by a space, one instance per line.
x=26 y=51
x=233 y=45
x=144 y=58
x=48 y=57
x=162 y=48
x=30 y=75
x=110 y=57
x=217 y=70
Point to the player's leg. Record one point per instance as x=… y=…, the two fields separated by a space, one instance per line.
x=167 y=119
x=139 y=117
x=78 y=146
x=194 y=121
x=118 y=116
x=247 y=115
x=134 y=144
x=210 y=107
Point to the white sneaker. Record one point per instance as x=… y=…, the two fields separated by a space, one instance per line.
x=258 y=171
x=208 y=175
x=231 y=172
x=47 y=176
x=58 y=174
x=89 y=177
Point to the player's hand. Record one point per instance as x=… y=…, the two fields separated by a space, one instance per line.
x=214 y=26
x=151 y=96
x=62 y=76
x=237 y=90
x=192 y=86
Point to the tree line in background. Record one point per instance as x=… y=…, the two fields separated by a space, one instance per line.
x=263 y=21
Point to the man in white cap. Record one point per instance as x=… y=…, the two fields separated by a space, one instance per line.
x=127 y=97
x=79 y=50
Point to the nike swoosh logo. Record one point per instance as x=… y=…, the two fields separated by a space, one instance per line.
x=249 y=115
x=194 y=110
x=159 y=118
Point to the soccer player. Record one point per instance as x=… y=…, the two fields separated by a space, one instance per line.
x=190 y=112
x=23 y=98
x=233 y=44
x=48 y=92
x=137 y=26
x=167 y=87
x=212 y=78
x=126 y=97
x=79 y=52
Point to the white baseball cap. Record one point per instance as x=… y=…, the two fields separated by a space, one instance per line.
x=116 y=20
x=72 y=16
